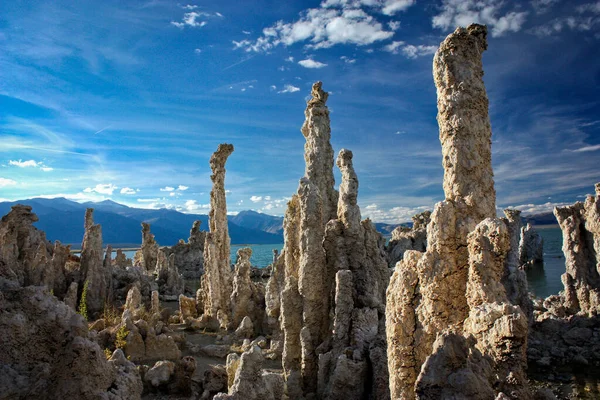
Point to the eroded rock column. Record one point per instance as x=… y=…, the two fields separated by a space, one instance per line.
x=217 y=278
x=92 y=266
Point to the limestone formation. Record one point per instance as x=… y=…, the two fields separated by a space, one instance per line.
x=455 y=285
x=246 y=299
x=250 y=382
x=92 y=266
x=189 y=257
x=146 y=256
x=580 y=224
x=318 y=153
x=23 y=247
x=121 y=260
x=404 y=238
x=333 y=332
x=514 y=278
x=531 y=246
x=217 y=278
x=47 y=355
x=167 y=275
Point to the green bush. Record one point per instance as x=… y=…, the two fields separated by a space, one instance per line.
x=82 y=309
x=122 y=333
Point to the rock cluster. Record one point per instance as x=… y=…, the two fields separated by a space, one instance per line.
x=531 y=246
x=167 y=275
x=449 y=301
x=188 y=257
x=217 y=279
x=247 y=297
x=404 y=238
x=47 y=353
x=566 y=329
x=331 y=307
x=146 y=256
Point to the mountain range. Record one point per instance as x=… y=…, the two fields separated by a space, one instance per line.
x=62 y=220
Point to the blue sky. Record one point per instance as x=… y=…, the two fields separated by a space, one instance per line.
x=127 y=100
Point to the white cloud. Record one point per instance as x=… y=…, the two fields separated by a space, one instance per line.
x=393 y=47
x=387 y=7
x=538 y=208
x=331 y=24
x=190 y=7
x=310 y=63
x=542 y=6
x=411 y=51
x=273 y=87
x=192 y=205
x=127 y=190
x=167 y=189
x=394 y=25
x=465 y=12
x=218 y=14
x=102 y=188
x=197 y=51
x=290 y=59
x=30 y=164
x=347 y=60
x=287 y=89
x=256 y=199
x=587 y=148
x=587 y=19
x=393 y=215
x=191 y=19
x=182 y=188
x=7 y=182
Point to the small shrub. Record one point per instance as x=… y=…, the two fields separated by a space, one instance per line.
x=82 y=309
x=107 y=353
x=122 y=333
x=111 y=315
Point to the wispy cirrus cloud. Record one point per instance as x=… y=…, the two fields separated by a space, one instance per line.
x=30 y=164
x=489 y=12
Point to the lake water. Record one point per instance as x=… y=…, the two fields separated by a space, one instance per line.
x=546 y=281
x=542 y=281
x=262 y=254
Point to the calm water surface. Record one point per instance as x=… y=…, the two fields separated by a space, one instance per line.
x=543 y=281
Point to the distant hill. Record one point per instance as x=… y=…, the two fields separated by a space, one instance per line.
x=546 y=218
x=62 y=220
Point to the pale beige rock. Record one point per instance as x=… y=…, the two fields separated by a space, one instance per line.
x=160 y=373
x=187 y=308
x=133 y=301
x=217 y=278
x=245 y=298
x=250 y=382
x=245 y=328
x=121 y=260
x=580 y=224
x=404 y=238
x=318 y=153
x=92 y=266
x=169 y=281
x=71 y=296
x=47 y=355
x=189 y=257
x=531 y=246
x=20 y=244
x=146 y=256
x=455 y=285
x=128 y=384
x=154 y=302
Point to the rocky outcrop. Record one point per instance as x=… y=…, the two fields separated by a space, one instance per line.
x=250 y=381
x=247 y=300
x=217 y=278
x=189 y=257
x=318 y=153
x=92 y=274
x=334 y=343
x=404 y=238
x=455 y=287
x=146 y=256
x=167 y=275
x=580 y=224
x=25 y=250
x=531 y=246
x=47 y=354
x=121 y=260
